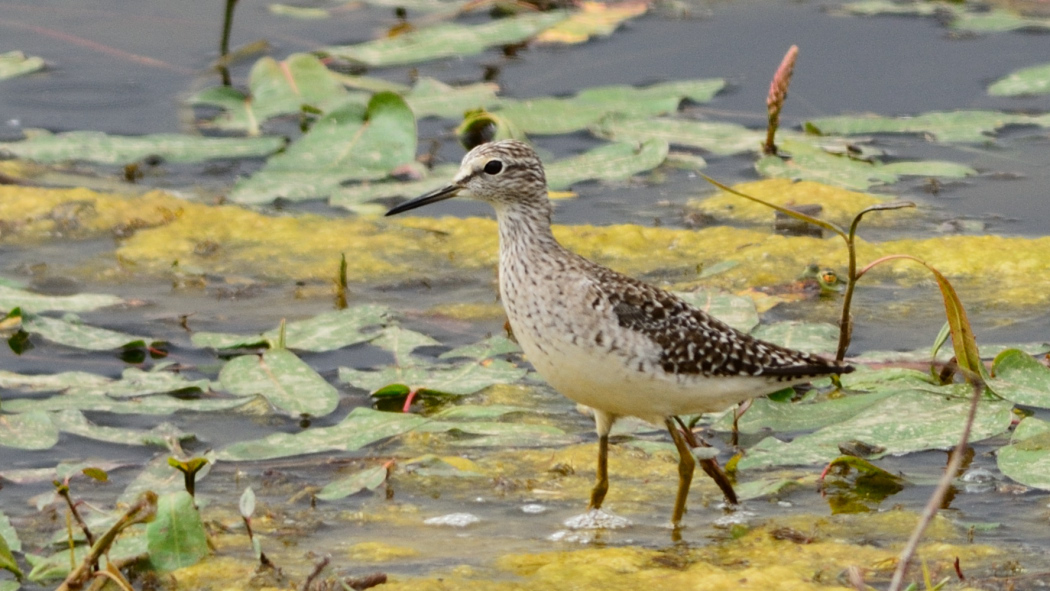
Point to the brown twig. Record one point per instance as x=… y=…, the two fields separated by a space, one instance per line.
x=316 y=572
x=63 y=491
x=143 y=510
x=934 y=504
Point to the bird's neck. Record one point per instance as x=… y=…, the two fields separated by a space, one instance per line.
x=524 y=224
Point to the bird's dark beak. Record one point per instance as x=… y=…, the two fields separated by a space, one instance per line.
x=446 y=192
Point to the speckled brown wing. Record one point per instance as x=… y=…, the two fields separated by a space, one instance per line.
x=694 y=342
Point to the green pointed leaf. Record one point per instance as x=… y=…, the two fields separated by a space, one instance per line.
x=811 y=163
x=159 y=477
x=433 y=98
x=325 y=332
x=135 y=382
x=736 y=311
x=345 y=144
x=16 y=63
x=283 y=379
x=612 y=162
x=550 y=116
x=1027 y=458
x=363 y=426
x=69 y=331
x=491 y=347
x=32 y=430
x=277 y=88
x=8 y=533
x=1026 y=81
x=907 y=421
x=811 y=337
x=944 y=126
x=1021 y=378
x=445 y=40
x=369 y=479
x=74 y=422
x=11 y=298
x=95 y=146
x=176 y=536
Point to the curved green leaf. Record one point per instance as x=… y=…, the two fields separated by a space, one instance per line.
x=1027 y=458
x=95 y=146
x=1026 y=81
x=283 y=379
x=369 y=479
x=176 y=536
x=32 y=430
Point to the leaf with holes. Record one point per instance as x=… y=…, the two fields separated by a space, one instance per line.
x=349 y=143
x=283 y=379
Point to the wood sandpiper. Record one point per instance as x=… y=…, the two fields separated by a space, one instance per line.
x=610 y=342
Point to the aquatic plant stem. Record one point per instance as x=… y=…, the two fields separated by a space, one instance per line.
x=934 y=504
x=224 y=44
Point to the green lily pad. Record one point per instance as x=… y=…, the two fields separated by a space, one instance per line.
x=176 y=536
x=328 y=331
x=906 y=421
x=811 y=337
x=491 y=347
x=275 y=89
x=496 y=434
x=283 y=379
x=549 y=116
x=944 y=126
x=369 y=479
x=756 y=489
x=94 y=398
x=69 y=331
x=349 y=143
x=723 y=139
x=353 y=196
x=736 y=311
x=10 y=585
x=961 y=17
x=1021 y=378
x=32 y=430
x=1026 y=81
x=16 y=63
x=94 y=146
x=445 y=40
x=135 y=382
x=1027 y=458
x=807 y=162
x=472 y=412
x=433 y=98
x=361 y=427
x=792 y=417
x=612 y=162
x=75 y=423
x=11 y=298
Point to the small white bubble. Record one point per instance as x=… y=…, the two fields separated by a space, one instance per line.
x=533 y=508
x=454 y=520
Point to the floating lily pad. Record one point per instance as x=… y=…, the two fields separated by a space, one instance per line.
x=723 y=139
x=134 y=382
x=807 y=162
x=369 y=479
x=277 y=88
x=736 y=311
x=1027 y=458
x=94 y=146
x=960 y=16
x=11 y=298
x=907 y=421
x=445 y=40
x=612 y=162
x=75 y=423
x=346 y=144
x=361 y=427
x=483 y=349
x=283 y=379
x=433 y=98
x=32 y=430
x=944 y=126
x=592 y=19
x=1026 y=81
x=811 y=337
x=16 y=63
x=1021 y=378
x=546 y=115
x=51 y=383
x=95 y=399
x=69 y=331
x=328 y=331
x=471 y=412
x=176 y=536
x=793 y=417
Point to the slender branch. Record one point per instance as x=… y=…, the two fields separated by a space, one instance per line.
x=63 y=491
x=934 y=504
x=143 y=510
x=224 y=44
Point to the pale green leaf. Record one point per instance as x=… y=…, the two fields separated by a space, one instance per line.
x=31 y=431
x=75 y=423
x=69 y=331
x=288 y=383
x=176 y=536
x=944 y=126
x=811 y=337
x=1027 y=458
x=433 y=98
x=1026 y=81
x=16 y=63
x=95 y=146
x=738 y=312
x=612 y=162
x=369 y=479
x=1021 y=378
x=11 y=297
x=160 y=477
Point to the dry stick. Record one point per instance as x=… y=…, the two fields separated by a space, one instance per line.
x=63 y=491
x=321 y=564
x=934 y=504
x=143 y=510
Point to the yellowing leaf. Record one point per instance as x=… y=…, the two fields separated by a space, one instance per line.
x=594 y=19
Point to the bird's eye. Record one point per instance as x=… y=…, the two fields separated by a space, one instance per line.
x=493 y=167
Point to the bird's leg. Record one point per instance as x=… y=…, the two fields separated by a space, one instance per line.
x=710 y=466
x=686 y=465
x=601 y=484
x=603 y=423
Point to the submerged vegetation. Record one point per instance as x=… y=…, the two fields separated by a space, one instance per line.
x=353 y=440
